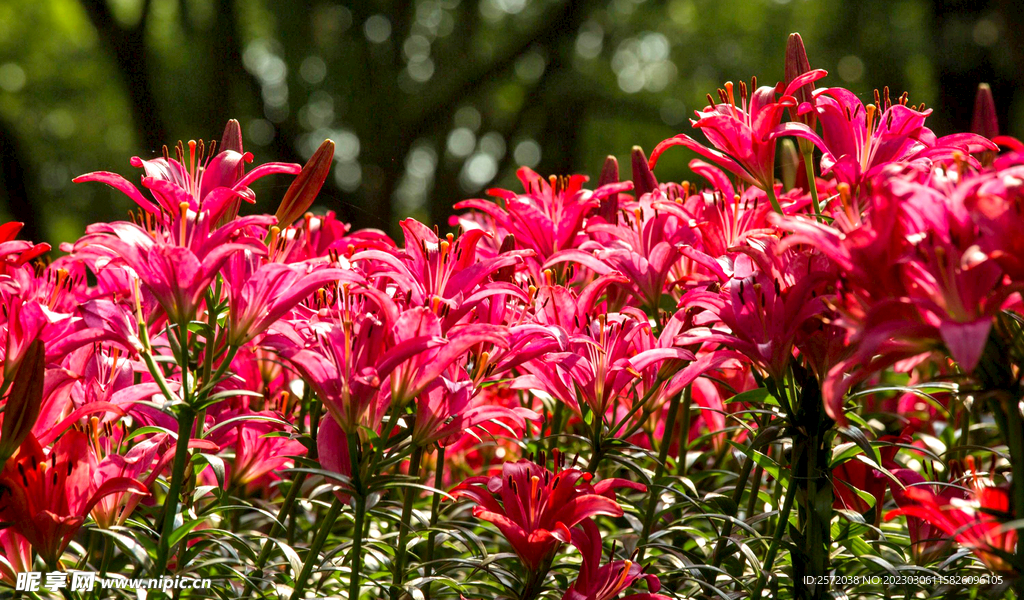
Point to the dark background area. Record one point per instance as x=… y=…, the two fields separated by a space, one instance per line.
x=433 y=101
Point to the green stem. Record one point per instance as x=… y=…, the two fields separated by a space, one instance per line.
x=357 y=549
x=770 y=190
x=737 y=495
x=780 y=528
x=275 y=530
x=403 y=532
x=811 y=183
x=755 y=489
x=314 y=550
x=659 y=473
x=108 y=551
x=965 y=430
x=684 y=437
x=556 y=420
x=186 y=420
x=1015 y=446
x=435 y=506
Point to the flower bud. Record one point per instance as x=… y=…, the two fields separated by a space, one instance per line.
x=643 y=179
x=609 y=204
x=232 y=138
x=24 y=400
x=985 y=121
x=796 y=65
x=506 y=273
x=307 y=184
x=790 y=163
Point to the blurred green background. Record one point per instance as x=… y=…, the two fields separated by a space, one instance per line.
x=432 y=101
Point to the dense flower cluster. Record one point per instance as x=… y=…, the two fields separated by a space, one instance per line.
x=168 y=381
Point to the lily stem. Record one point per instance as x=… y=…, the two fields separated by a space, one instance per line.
x=357 y=548
x=282 y=514
x=812 y=183
x=186 y=419
x=314 y=550
x=403 y=532
x=780 y=528
x=770 y=190
x=659 y=473
x=435 y=507
x=684 y=436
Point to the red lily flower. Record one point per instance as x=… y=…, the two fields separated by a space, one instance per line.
x=535 y=508
x=976 y=521
x=606 y=582
x=15 y=556
x=46 y=497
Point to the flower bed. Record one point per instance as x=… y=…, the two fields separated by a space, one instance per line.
x=730 y=388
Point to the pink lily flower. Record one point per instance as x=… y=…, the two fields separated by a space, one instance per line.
x=15 y=253
x=550 y=216
x=606 y=582
x=602 y=361
x=177 y=272
x=743 y=136
x=200 y=180
x=535 y=508
x=858 y=140
x=763 y=312
x=448 y=409
x=644 y=248
x=259 y=296
x=444 y=274
x=344 y=356
x=258 y=453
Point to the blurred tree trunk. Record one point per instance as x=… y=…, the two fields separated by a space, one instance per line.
x=128 y=46
x=15 y=173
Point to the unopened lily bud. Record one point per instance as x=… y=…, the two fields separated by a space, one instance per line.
x=643 y=179
x=790 y=163
x=985 y=121
x=609 y=204
x=307 y=184
x=24 y=400
x=796 y=65
x=506 y=273
x=232 y=138
x=609 y=171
